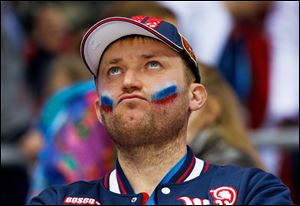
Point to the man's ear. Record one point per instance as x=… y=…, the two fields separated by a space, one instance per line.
x=98 y=108
x=197 y=96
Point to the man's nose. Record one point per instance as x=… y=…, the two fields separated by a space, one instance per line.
x=131 y=82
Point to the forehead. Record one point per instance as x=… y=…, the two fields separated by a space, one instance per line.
x=138 y=45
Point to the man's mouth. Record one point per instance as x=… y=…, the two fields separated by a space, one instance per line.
x=131 y=97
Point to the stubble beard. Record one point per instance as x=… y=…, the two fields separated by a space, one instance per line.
x=152 y=129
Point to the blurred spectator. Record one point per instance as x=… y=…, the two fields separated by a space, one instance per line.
x=16 y=110
x=217 y=132
x=65 y=70
x=264 y=50
x=283 y=28
x=245 y=59
x=54 y=29
x=77 y=147
x=46 y=42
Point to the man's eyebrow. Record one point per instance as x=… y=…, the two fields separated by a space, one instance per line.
x=118 y=60
x=115 y=61
x=148 y=56
x=112 y=61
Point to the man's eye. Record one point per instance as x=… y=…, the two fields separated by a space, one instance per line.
x=114 y=71
x=153 y=65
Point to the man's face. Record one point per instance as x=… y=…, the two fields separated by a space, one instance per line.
x=143 y=92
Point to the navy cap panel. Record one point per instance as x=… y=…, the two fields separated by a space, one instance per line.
x=170 y=32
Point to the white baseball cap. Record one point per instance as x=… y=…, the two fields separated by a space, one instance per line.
x=108 y=30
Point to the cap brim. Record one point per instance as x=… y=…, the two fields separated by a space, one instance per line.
x=102 y=34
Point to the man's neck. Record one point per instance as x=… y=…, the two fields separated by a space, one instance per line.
x=146 y=166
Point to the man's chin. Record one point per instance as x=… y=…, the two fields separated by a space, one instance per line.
x=133 y=121
x=130 y=127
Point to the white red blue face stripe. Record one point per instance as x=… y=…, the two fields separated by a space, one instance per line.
x=106 y=103
x=165 y=95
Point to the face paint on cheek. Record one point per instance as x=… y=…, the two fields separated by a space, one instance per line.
x=165 y=95
x=106 y=103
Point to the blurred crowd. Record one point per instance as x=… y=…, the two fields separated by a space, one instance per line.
x=248 y=54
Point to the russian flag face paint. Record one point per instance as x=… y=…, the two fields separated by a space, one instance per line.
x=106 y=102
x=165 y=95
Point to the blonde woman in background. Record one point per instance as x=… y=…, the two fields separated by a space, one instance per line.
x=216 y=132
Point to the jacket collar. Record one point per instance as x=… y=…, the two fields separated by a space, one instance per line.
x=192 y=167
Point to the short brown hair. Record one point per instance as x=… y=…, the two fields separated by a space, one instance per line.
x=189 y=76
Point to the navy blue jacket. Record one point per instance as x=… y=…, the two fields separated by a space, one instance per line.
x=195 y=183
